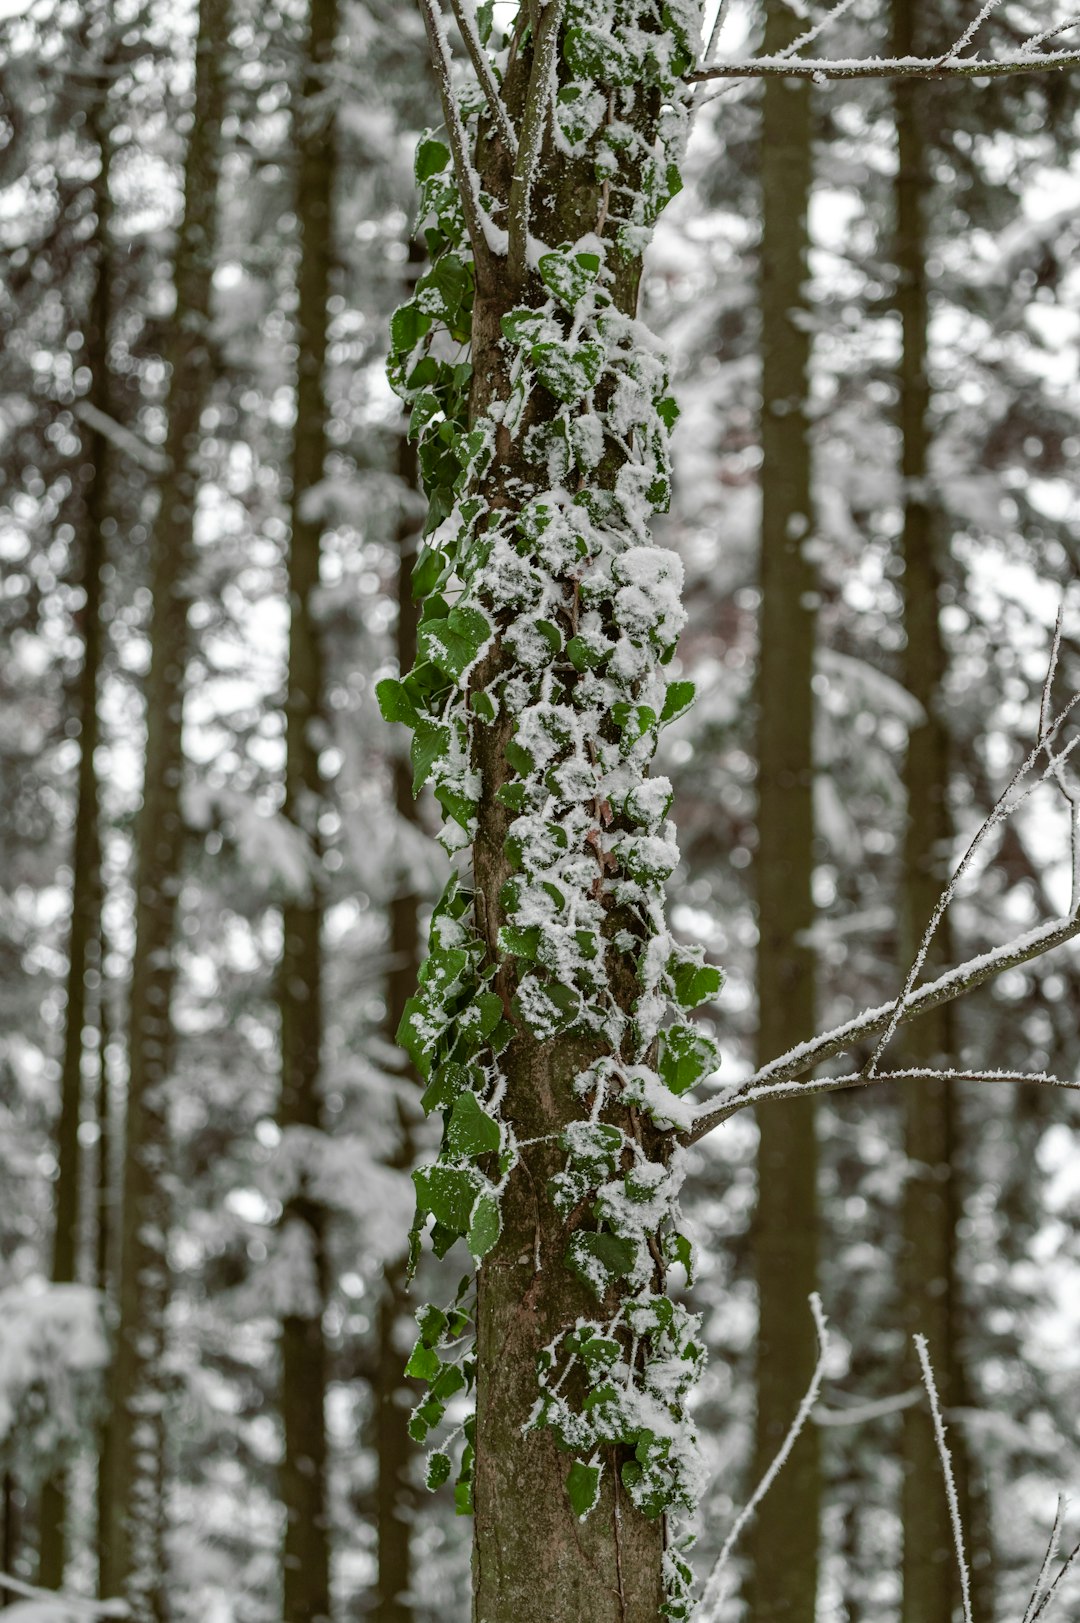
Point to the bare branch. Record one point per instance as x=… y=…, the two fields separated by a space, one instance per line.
x=533 y=125
x=908 y=67
x=464 y=12
x=1051 y=672
x=793 y=1064
x=1044 y=1604
x=78 y=1604
x=468 y=182
x=713 y=1597
x=947 y=1472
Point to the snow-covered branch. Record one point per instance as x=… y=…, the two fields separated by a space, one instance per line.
x=906 y=67
x=468 y=183
x=61 y=1600
x=789 y=1066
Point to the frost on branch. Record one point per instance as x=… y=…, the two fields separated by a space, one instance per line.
x=549 y=616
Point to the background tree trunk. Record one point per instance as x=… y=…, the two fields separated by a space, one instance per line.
x=929 y=1284
x=84 y=940
x=306 y=1554
x=135 y=1520
x=783 y=1538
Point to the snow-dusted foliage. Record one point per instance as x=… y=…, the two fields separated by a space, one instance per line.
x=550 y=617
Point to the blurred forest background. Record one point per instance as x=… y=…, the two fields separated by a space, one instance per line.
x=206 y=1131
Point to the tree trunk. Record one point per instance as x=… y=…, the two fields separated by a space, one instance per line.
x=783 y=1538
x=928 y=1273
x=306 y=1554
x=133 y=1550
x=84 y=941
x=538 y=1557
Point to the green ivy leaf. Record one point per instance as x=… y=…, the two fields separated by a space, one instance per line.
x=686 y=1055
x=598 y=1259
x=453 y=643
x=471 y=1131
x=694 y=984
x=677 y=701
x=678 y=1249
x=430 y=743
x=448 y=1193
x=583 y=1486
x=438 y=1470
x=485 y=1226
x=394 y=702
x=408 y=325
x=424 y=1362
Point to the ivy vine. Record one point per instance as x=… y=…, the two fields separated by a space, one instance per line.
x=584 y=611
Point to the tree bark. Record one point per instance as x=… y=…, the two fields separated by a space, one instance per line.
x=783 y=1539
x=306 y=1553
x=84 y=940
x=929 y=1283
x=135 y=1513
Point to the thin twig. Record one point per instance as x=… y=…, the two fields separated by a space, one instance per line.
x=971 y=30
x=1003 y=807
x=465 y=14
x=947 y=1473
x=1051 y=672
x=468 y=184
x=909 y=67
x=860 y=1414
x=1048 y=1597
x=713 y=1596
x=533 y=125
x=1048 y=1558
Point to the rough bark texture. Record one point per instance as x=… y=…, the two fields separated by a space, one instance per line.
x=783 y=1542
x=306 y=1553
x=929 y=1285
x=84 y=940
x=133 y=1555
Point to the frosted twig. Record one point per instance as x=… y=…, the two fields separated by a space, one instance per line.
x=947 y=1473
x=714 y=33
x=468 y=184
x=533 y=123
x=713 y=1595
x=1048 y=1597
x=74 y=1603
x=1049 y=33
x=971 y=30
x=906 y=67
x=795 y=1062
x=1048 y=1558
x=1051 y=672
x=819 y=27
x=465 y=13
x=1002 y=808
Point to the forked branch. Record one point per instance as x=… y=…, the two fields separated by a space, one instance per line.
x=533 y=125
x=909 y=67
x=468 y=181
